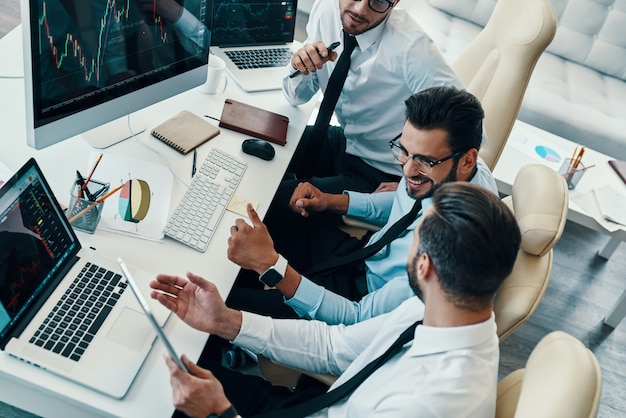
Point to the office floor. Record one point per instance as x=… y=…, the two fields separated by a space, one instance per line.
x=582 y=289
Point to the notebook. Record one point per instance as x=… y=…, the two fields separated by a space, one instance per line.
x=254 y=121
x=104 y=344
x=254 y=27
x=185 y=131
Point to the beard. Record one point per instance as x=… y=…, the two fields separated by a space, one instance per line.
x=421 y=178
x=411 y=270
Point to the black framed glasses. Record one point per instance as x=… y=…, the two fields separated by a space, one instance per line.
x=422 y=163
x=381 y=6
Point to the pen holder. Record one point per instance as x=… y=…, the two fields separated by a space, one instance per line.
x=84 y=211
x=572 y=175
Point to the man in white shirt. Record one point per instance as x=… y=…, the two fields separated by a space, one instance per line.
x=442 y=133
x=394 y=59
x=464 y=247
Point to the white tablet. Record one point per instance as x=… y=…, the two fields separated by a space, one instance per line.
x=148 y=312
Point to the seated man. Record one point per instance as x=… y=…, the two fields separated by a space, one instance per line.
x=462 y=250
x=439 y=143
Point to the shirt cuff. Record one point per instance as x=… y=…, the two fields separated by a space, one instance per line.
x=254 y=333
x=307 y=299
x=357 y=204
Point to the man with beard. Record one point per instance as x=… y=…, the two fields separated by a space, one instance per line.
x=439 y=143
x=435 y=355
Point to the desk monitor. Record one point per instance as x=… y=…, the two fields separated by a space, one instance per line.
x=91 y=62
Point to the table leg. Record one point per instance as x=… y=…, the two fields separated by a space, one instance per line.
x=609 y=248
x=618 y=312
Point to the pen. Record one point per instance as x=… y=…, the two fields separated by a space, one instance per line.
x=91 y=206
x=92 y=170
x=193 y=165
x=80 y=182
x=329 y=48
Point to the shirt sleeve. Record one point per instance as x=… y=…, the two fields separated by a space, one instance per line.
x=308 y=345
x=371 y=207
x=191 y=30
x=315 y=302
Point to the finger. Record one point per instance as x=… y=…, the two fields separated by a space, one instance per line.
x=194 y=369
x=169 y=302
x=254 y=216
x=199 y=281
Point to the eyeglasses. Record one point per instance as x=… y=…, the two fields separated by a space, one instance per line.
x=381 y=6
x=423 y=164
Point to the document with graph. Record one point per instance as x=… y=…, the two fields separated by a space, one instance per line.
x=141 y=206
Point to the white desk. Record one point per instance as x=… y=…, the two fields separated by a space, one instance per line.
x=512 y=159
x=44 y=394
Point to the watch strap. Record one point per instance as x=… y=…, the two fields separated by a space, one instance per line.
x=280 y=266
x=231 y=412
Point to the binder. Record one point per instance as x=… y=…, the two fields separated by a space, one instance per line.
x=620 y=168
x=185 y=131
x=254 y=121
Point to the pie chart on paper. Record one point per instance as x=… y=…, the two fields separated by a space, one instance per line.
x=548 y=154
x=134 y=200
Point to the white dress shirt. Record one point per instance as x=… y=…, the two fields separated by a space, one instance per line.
x=444 y=372
x=392 y=61
x=386 y=275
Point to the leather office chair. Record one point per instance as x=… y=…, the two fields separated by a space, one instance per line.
x=539 y=201
x=498 y=63
x=561 y=379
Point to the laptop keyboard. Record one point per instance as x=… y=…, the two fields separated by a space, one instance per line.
x=260 y=58
x=78 y=315
x=199 y=211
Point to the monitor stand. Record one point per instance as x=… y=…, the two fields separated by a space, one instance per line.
x=114 y=132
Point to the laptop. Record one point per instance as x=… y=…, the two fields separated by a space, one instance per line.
x=64 y=308
x=136 y=289
x=247 y=34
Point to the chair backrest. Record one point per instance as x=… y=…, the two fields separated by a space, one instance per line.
x=539 y=200
x=562 y=379
x=498 y=63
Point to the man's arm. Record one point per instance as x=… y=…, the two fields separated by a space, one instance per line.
x=315 y=302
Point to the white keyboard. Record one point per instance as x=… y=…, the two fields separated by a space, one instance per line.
x=199 y=212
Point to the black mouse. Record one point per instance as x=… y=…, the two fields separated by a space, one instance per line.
x=258 y=148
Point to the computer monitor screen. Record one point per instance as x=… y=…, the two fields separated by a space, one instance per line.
x=89 y=62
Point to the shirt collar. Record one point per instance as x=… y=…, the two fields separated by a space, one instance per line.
x=371 y=36
x=431 y=340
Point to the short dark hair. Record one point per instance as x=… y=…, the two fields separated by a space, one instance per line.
x=472 y=239
x=455 y=111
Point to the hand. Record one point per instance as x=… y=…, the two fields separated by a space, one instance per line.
x=251 y=247
x=197 y=394
x=312 y=57
x=387 y=186
x=198 y=303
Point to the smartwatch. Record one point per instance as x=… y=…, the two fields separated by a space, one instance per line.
x=231 y=412
x=274 y=274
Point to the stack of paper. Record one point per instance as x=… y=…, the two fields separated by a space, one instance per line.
x=612 y=204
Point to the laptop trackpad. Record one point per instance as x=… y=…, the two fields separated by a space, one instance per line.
x=131 y=329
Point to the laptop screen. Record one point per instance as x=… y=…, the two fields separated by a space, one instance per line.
x=36 y=244
x=249 y=22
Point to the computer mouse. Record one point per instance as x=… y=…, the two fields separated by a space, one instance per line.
x=259 y=148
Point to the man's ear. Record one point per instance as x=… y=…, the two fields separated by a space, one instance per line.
x=466 y=165
x=424 y=266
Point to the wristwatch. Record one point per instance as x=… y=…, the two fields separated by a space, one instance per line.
x=274 y=274
x=231 y=412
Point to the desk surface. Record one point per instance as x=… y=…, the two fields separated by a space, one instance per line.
x=45 y=394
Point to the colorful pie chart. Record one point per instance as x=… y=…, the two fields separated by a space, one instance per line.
x=134 y=200
x=548 y=154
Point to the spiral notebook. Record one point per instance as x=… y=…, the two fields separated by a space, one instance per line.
x=185 y=131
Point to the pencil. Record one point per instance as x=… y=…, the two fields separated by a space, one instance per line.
x=92 y=170
x=91 y=206
x=579 y=157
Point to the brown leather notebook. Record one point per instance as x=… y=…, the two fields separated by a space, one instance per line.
x=620 y=168
x=254 y=121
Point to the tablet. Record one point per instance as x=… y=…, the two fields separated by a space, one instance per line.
x=146 y=309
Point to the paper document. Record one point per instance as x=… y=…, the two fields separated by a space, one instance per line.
x=611 y=203
x=142 y=205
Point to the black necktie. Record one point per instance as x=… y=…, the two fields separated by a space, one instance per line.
x=369 y=250
x=333 y=89
x=325 y=400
